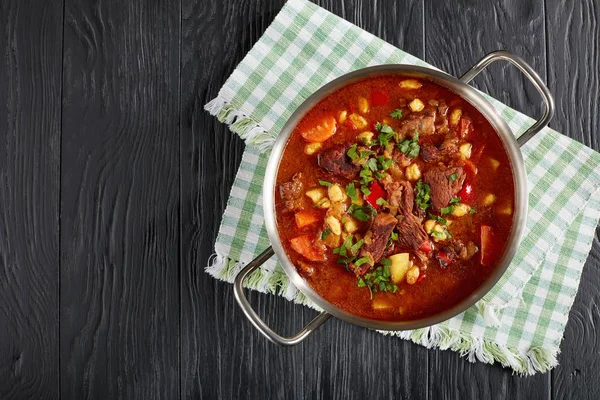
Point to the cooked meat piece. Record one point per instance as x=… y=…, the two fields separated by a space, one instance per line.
x=336 y=162
x=442 y=188
x=430 y=153
x=450 y=145
x=411 y=234
x=451 y=251
x=422 y=122
x=291 y=192
x=399 y=157
x=446 y=150
x=401 y=197
x=443 y=109
x=377 y=238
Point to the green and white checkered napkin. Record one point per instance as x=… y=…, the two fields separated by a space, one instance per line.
x=520 y=323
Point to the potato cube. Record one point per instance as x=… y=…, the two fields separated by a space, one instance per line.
x=494 y=163
x=455 y=116
x=438 y=233
x=429 y=224
x=332 y=241
x=315 y=195
x=350 y=226
x=412 y=275
x=324 y=203
x=460 y=210
x=399 y=267
x=335 y=193
x=506 y=210
x=334 y=225
x=312 y=148
x=363 y=105
x=342 y=116
x=465 y=150
x=412 y=172
x=489 y=199
x=365 y=137
x=416 y=105
x=358 y=121
x=410 y=84
x=380 y=304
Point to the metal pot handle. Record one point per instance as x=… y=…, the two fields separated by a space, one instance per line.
x=258 y=323
x=531 y=75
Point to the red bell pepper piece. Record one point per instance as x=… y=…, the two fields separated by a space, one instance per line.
x=467 y=194
x=377 y=193
x=488 y=246
x=426 y=247
x=465 y=127
x=380 y=98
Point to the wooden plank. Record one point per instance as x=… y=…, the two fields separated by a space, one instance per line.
x=457 y=35
x=120 y=216
x=340 y=360
x=31 y=45
x=574 y=79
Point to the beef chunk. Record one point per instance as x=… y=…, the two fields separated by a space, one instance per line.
x=411 y=234
x=446 y=150
x=401 y=197
x=442 y=189
x=291 y=192
x=336 y=162
x=422 y=122
x=376 y=239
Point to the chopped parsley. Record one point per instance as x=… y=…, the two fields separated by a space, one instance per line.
x=454 y=200
x=381 y=201
x=372 y=164
x=453 y=177
x=384 y=162
x=410 y=147
x=325 y=233
x=447 y=210
x=325 y=183
x=472 y=211
x=423 y=197
x=386 y=133
x=378 y=279
x=361 y=261
x=351 y=191
x=365 y=190
x=397 y=113
x=438 y=235
x=394 y=236
x=352 y=152
x=438 y=218
x=366 y=176
x=362 y=213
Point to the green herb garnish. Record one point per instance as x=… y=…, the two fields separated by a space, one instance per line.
x=351 y=191
x=394 y=236
x=325 y=233
x=423 y=197
x=438 y=218
x=325 y=183
x=378 y=280
x=453 y=177
x=381 y=201
x=386 y=133
x=397 y=113
x=384 y=162
x=472 y=211
x=410 y=147
x=353 y=153
x=372 y=164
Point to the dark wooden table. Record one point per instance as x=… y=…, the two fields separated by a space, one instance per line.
x=113 y=181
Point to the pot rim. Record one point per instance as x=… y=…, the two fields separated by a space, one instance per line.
x=466 y=92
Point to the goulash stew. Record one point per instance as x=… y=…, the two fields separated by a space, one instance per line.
x=394 y=198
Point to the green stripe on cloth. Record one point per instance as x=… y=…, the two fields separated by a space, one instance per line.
x=520 y=322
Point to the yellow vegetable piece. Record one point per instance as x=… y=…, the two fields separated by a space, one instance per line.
x=312 y=148
x=410 y=84
x=358 y=121
x=399 y=267
x=416 y=105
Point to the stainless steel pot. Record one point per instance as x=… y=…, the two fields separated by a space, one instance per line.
x=460 y=87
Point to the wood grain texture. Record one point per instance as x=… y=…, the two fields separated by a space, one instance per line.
x=457 y=35
x=120 y=196
x=574 y=78
x=31 y=47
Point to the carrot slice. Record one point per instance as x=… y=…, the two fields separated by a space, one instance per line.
x=320 y=132
x=305 y=218
x=304 y=245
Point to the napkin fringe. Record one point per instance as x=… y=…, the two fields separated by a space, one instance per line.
x=527 y=361
x=240 y=123
x=523 y=361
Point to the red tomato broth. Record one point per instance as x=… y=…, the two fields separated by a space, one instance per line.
x=438 y=289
